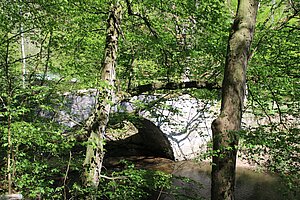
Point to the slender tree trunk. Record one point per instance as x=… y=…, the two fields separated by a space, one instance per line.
x=9 y=119
x=23 y=53
x=225 y=127
x=9 y=153
x=97 y=122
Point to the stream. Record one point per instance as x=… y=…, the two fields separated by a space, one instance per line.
x=250 y=185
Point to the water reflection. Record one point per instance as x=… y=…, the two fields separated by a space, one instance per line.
x=250 y=185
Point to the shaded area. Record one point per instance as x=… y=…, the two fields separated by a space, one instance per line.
x=149 y=141
x=141 y=162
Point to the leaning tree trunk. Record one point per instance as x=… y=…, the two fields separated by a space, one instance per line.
x=97 y=122
x=226 y=126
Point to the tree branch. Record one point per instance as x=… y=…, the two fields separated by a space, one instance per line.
x=144 y=18
x=174 y=86
x=3 y=41
x=113 y=178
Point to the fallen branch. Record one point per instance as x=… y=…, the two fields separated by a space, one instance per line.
x=174 y=86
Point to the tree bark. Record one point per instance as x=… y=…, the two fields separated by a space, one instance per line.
x=174 y=86
x=97 y=122
x=228 y=123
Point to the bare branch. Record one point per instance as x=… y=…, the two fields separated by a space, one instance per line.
x=66 y=175
x=113 y=178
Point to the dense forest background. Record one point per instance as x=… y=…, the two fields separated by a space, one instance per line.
x=50 y=48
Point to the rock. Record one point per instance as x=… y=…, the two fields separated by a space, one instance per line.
x=11 y=197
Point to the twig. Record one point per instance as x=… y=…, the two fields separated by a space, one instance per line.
x=3 y=41
x=277 y=105
x=113 y=178
x=259 y=103
x=160 y=192
x=66 y=176
x=3 y=103
x=144 y=18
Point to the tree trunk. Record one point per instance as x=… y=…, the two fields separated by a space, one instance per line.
x=97 y=122
x=226 y=126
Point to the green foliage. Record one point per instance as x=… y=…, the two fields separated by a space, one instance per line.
x=277 y=151
x=136 y=182
x=38 y=158
x=164 y=41
x=185 y=44
x=129 y=183
x=273 y=85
